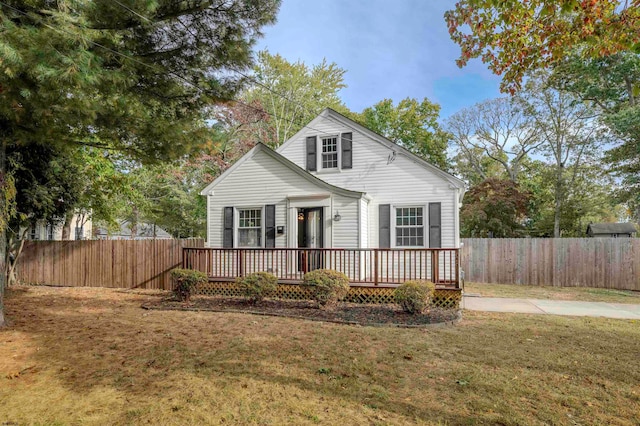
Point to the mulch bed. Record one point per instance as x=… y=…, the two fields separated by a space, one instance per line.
x=349 y=313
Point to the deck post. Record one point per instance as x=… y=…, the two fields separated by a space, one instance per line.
x=375 y=267
x=457 y=268
x=240 y=263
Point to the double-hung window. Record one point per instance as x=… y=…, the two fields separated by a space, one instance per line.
x=249 y=227
x=50 y=231
x=409 y=227
x=330 y=152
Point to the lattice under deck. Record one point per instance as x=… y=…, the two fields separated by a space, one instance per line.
x=443 y=298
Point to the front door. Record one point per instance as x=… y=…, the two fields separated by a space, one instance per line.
x=310 y=235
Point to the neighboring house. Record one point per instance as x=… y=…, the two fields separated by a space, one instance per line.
x=144 y=231
x=611 y=230
x=335 y=184
x=81 y=229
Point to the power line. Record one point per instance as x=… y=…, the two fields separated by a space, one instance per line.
x=173 y=73
x=254 y=80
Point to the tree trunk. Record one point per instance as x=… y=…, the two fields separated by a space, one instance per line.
x=66 y=228
x=3 y=228
x=558 y=204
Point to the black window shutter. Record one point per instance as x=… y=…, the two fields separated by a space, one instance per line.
x=227 y=239
x=347 y=156
x=270 y=224
x=311 y=153
x=384 y=225
x=435 y=234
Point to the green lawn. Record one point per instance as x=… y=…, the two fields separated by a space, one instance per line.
x=556 y=293
x=92 y=356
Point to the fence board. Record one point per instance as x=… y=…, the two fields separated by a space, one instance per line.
x=562 y=262
x=102 y=263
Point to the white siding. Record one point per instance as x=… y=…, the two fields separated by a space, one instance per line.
x=387 y=179
x=262 y=180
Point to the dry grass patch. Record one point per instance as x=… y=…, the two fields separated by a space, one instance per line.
x=556 y=293
x=98 y=358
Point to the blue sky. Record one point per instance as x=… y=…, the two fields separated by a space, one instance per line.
x=389 y=49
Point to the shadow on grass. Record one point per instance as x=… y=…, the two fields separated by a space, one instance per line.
x=100 y=339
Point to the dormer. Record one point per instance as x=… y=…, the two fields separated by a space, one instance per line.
x=329 y=153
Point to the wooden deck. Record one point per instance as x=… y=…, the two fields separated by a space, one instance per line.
x=364 y=267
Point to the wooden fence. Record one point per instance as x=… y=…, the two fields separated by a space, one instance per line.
x=562 y=262
x=102 y=263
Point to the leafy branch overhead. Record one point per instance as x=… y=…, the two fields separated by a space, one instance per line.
x=515 y=37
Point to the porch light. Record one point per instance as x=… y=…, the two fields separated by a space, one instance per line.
x=337 y=217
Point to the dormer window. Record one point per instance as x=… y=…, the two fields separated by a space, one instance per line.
x=335 y=152
x=330 y=152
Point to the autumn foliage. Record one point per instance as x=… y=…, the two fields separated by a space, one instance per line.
x=494 y=208
x=515 y=37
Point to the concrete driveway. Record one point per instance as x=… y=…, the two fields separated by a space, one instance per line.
x=554 y=307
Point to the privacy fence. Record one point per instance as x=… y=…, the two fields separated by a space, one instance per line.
x=563 y=262
x=102 y=263
x=567 y=262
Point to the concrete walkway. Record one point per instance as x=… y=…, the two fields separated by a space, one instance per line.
x=554 y=307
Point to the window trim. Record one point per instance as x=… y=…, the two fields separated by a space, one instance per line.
x=321 y=167
x=393 y=225
x=236 y=226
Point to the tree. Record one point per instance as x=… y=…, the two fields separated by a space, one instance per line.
x=611 y=85
x=568 y=131
x=293 y=93
x=587 y=199
x=497 y=130
x=517 y=37
x=494 y=208
x=412 y=125
x=118 y=76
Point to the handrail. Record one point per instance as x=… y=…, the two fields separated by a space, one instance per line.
x=370 y=266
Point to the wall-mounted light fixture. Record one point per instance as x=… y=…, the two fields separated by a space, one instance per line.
x=337 y=217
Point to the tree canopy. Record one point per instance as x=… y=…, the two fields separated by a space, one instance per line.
x=411 y=124
x=516 y=37
x=133 y=76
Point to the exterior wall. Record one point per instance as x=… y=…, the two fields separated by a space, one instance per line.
x=262 y=180
x=385 y=177
x=41 y=230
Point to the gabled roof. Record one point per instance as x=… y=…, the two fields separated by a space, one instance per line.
x=611 y=228
x=345 y=121
x=260 y=147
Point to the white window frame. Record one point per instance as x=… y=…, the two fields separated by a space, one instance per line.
x=394 y=226
x=320 y=166
x=236 y=230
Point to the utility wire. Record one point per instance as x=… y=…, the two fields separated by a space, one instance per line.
x=252 y=79
x=173 y=73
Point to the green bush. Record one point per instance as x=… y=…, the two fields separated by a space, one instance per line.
x=185 y=281
x=257 y=286
x=414 y=296
x=327 y=286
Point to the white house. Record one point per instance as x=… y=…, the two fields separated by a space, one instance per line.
x=80 y=229
x=335 y=184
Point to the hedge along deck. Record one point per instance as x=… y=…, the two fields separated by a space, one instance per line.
x=443 y=298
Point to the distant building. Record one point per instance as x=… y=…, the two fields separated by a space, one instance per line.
x=81 y=229
x=144 y=231
x=611 y=230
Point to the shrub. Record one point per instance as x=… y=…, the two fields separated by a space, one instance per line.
x=414 y=296
x=257 y=286
x=185 y=281
x=327 y=286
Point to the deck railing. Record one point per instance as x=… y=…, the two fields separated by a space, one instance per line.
x=362 y=266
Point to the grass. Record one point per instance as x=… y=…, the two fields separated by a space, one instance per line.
x=92 y=356
x=556 y=293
